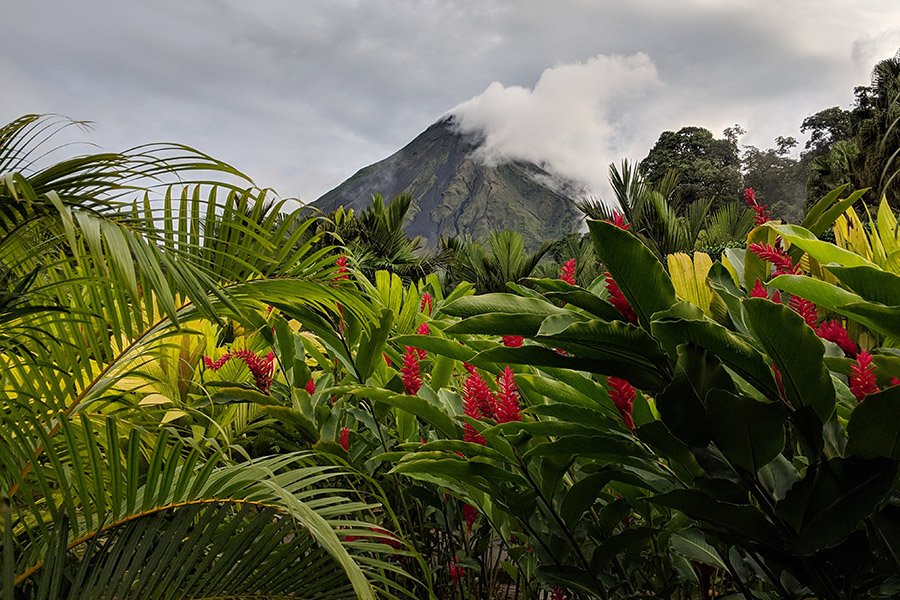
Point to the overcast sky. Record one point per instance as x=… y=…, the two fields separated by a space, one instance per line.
x=301 y=94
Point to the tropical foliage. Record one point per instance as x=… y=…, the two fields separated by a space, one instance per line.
x=207 y=396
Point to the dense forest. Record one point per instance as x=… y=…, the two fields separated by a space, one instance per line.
x=206 y=395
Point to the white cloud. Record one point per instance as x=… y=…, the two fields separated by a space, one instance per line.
x=575 y=120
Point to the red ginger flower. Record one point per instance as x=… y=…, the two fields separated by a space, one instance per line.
x=387 y=359
x=423 y=329
x=456 y=571
x=783 y=263
x=622 y=394
x=342 y=270
x=513 y=341
x=567 y=272
x=761 y=211
x=895 y=381
x=618 y=300
x=557 y=593
x=805 y=309
x=619 y=221
x=833 y=331
x=260 y=367
x=862 y=376
x=470 y=513
x=345 y=439
x=472 y=408
x=759 y=291
x=311 y=386
x=477 y=392
x=409 y=372
x=425 y=303
x=506 y=406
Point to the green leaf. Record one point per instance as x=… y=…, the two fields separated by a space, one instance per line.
x=832 y=500
x=797 y=352
x=749 y=433
x=742 y=520
x=877 y=317
x=637 y=271
x=874 y=427
x=470 y=306
x=870 y=282
x=437 y=345
x=416 y=405
x=692 y=544
x=499 y=324
x=823 y=252
x=371 y=346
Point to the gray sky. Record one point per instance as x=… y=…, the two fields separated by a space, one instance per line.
x=302 y=94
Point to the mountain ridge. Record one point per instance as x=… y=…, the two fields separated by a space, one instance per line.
x=456 y=193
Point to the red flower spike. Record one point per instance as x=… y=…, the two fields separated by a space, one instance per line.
x=412 y=378
x=513 y=341
x=423 y=330
x=477 y=393
x=805 y=309
x=471 y=408
x=779 y=382
x=619 y=221
x=387 y=359
x=776 y=297
x=506 y=407
x=895 y=381
x=761 y=210
x=557 y=593
x=311 y=386
x=833 y=331
x=470 y=513
x=216 y=365
x=618 y=300
x=862 y=376
x=567 y=272
x=622 y=394
x=260 y=367
x=759 y=291
x=775 y=255
x=345 y=439
x=470 y=368
x=342 y=270
x=456 y=571
x=425 y=303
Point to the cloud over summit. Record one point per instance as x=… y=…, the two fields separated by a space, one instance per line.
x=576 y=119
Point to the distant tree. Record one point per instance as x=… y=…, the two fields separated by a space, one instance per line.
x=779 y=179
x=826 y=127
x=708 y=168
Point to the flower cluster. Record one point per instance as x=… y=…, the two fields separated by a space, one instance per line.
x=426 y=303
x=805 y=309
x=479 y=402
x=862 y=376
x=777 y=256
x=619 y=221
x=345 y=439
x=409 y=372
x=470 y=513
x=761 y=210
x=506 y=407
x=342 y=270
x=567 y=272
x=311 y=386
x=833 y=331
x=618 y=300
x=513 y=341
x=261 y=367
x=622 y=394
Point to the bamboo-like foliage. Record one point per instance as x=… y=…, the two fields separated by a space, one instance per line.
x=103 y=259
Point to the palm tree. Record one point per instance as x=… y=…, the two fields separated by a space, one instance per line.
x=657 y=216
x=490 y=265
x=104 y=259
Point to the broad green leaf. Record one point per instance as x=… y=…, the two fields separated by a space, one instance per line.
x=692 y=544
x=874 y=427
x=422 y=408
x=637 y=271
x=877 y=317
x=437 y=345
x=797 y=352
x=833 y=498
x=749 y=433
x=871 y=283
x=497 y=323
x=823 y=252
x=372 y=345
x=740 y=519
x=470 y=306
